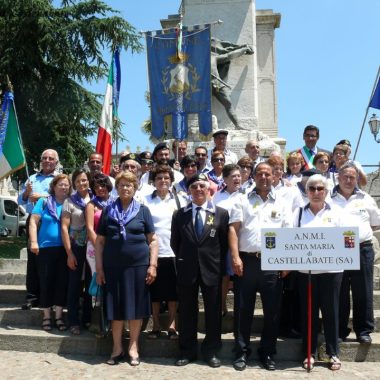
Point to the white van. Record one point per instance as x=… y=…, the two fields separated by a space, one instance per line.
x=8 y=215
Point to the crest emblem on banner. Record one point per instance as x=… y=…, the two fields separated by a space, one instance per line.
x=349 y=239
x=180 y=78
x=270 y=240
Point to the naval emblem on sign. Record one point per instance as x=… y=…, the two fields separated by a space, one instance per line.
x=270 y=240
x=349 y=239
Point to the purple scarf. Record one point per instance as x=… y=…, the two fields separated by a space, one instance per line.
x=100 y=203
x=51 y=205
x=122 y=217
x=214 y=178
x=79 y=201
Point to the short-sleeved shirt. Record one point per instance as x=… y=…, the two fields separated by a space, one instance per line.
x=134 y=250
x=40 y=184
x=254 y=214
x=360 y=210
x=49 y=233
x=162 y=211
x=327 y=217
x=77 y=230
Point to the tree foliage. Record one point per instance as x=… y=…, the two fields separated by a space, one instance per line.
x=49 y=52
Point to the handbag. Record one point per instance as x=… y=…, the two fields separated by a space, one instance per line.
x=100 y=325
x=94 y=289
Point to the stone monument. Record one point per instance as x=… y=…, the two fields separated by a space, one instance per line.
x=249 y=79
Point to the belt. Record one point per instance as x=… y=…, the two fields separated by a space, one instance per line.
x=253 y=254
x=367 y=243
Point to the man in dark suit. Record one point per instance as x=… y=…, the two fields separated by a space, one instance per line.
x=199 y=241
x=310 y=149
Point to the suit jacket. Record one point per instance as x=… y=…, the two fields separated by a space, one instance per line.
x=206 y=256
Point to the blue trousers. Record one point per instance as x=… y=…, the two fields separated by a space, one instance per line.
x=361 y=283
x=269 y=285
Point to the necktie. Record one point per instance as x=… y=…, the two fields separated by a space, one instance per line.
x=198 y=223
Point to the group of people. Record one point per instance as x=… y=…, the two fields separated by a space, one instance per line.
x=164 y=228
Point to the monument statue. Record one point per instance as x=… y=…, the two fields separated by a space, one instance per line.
x=222 y=53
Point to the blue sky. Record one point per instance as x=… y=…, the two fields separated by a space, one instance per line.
x=328 y=54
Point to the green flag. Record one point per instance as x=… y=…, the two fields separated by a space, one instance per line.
x=12 y=157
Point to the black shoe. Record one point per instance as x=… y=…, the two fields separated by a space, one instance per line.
x=182 y=361
x=213 y=362
x=114 y=360
x=240 y=363
x=268 y=363
x=364 y=339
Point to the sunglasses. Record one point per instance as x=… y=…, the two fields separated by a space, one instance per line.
x=245 y=167
x=313 y=189
x=191 y=166
x=196 y=185
x=217 y=160
x=146 y=162
x=201 y=154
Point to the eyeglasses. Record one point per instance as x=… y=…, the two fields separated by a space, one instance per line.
x=217 y=160
x=201 y=154
x=195 y=186
x=191 y=166
x=313 y=189
x=159 y=178
x=46 y=158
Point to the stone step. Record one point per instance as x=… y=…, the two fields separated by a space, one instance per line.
x=15 y=294
x=11 y=278
x=13 y=316
x=13 y=265
x=29 y=340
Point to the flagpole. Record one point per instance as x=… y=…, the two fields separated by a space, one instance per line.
x=366 y=113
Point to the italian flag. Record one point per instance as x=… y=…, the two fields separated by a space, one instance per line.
x=109 y=112
x=12 y=157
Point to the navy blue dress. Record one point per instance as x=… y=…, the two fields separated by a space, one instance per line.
x=125 y=264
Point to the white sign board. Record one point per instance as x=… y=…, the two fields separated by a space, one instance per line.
x=319 y=248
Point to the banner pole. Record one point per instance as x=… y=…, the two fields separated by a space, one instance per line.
x=309 y=326
x=366 y=113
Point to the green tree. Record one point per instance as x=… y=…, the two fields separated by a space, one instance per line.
x=49 y=52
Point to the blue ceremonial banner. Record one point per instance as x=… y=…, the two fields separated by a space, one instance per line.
x=179 y=81
x=375 y=101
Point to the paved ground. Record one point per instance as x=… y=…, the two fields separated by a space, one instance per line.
x=19 y=365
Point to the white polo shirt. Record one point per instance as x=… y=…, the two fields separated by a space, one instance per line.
x=329 y=216
x=254 y=214
x=359 y=210
x=162 y=211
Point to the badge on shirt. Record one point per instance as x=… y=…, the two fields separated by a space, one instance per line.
x=210 y=220
x=212 y=232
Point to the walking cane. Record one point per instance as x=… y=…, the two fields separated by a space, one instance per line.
x=309 y=310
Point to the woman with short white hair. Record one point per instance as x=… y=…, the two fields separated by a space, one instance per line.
x=325 y=284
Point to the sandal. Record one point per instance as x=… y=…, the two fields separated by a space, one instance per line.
x=113 y=360
x=154 y=334
x=46 y=324
x=75 y=330
x=172 y=334
x=334 y=363
x=60 y=325
x=305 y=363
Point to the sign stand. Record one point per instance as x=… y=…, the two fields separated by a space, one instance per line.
x=309 y=313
